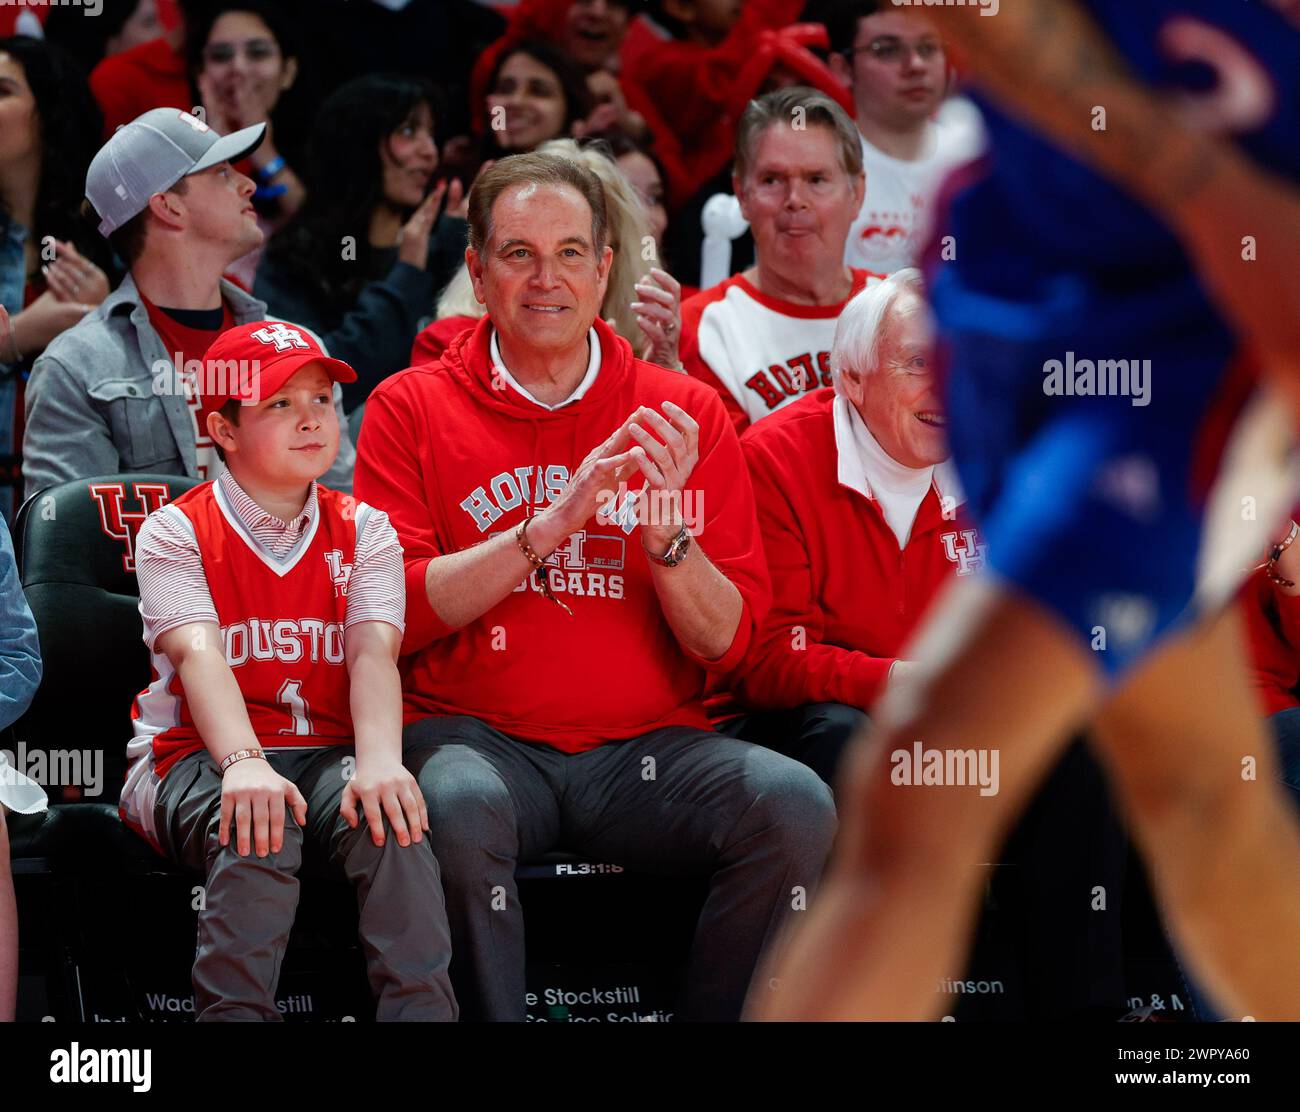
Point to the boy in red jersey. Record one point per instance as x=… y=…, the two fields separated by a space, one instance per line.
x=274 y=608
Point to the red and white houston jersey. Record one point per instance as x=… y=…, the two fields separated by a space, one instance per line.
x=758 y=352
x=282 y=625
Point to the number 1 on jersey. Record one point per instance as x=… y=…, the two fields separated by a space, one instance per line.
x=290 y=694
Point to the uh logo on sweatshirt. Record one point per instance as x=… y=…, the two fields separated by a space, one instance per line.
x=583 y=565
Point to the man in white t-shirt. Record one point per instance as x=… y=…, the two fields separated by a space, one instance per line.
x=894 y=62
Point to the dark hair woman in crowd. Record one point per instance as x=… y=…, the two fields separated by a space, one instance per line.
x=51 y=262
x=534 y=93
x=360 y=263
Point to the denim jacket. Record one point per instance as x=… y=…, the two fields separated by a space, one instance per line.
x=92 y=408
x=20 y=651
x=13 y=284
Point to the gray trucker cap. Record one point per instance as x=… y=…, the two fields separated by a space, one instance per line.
x=151 y=154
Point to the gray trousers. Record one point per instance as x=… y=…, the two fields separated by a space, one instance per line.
x=675 y=800
x=250 y=902
x=817 y=734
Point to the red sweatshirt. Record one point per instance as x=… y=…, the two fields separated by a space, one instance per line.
x=693 y=89
x=433 y=340
x=845 y=598
x=151 y=75
x=455 y=460
x=1273 y=623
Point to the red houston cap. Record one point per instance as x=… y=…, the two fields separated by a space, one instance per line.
x=253 y=361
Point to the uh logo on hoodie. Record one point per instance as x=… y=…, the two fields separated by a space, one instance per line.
x=586 y=563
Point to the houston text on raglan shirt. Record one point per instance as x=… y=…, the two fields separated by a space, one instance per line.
x=759 y=352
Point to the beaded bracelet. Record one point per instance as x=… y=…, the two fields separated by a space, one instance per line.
x=1275 y=554
x=539 y=566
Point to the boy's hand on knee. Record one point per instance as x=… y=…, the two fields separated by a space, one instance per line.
x=254 y=795
x=386 y=787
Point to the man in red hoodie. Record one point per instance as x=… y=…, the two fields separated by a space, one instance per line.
x=581 y=552
x=859 y=546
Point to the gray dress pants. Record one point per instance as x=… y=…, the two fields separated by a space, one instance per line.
x=676 y=800
x=249 y=902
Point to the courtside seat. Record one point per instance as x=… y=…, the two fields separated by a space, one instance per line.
x=82 y=839
x=76 y=555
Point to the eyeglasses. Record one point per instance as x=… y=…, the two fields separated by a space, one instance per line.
x=891 y=50
x=255 y=50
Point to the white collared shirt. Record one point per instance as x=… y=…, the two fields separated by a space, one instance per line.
x=898 y=490
x=593 y=369
x=274 y=534
x=174 y=589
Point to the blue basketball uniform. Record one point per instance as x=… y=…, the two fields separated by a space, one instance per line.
x=1091 y=385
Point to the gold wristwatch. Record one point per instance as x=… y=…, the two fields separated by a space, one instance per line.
x=677 y=550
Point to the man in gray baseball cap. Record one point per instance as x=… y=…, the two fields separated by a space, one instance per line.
x=151 y=154
x=115 y=393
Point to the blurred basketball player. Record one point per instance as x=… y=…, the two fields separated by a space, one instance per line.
x=1118 y=278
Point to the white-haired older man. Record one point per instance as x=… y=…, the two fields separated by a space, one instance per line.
x=860 y=516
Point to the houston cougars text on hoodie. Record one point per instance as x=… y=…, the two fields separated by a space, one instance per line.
x=456 y=456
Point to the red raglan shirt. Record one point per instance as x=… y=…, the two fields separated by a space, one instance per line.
x=454 y=460
x=845 y=597
x=759 y=352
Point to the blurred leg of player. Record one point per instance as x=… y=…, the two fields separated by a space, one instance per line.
x=1196 y=773
x=899 y=904
x=897 y=908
